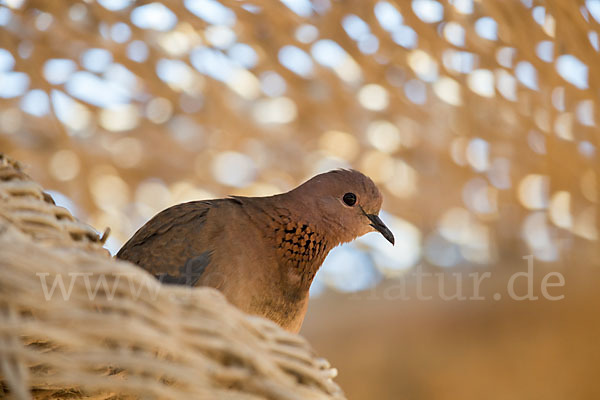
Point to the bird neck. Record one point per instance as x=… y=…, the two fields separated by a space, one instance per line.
x=300 y=244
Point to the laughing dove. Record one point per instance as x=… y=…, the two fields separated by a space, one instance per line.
x=261 y=252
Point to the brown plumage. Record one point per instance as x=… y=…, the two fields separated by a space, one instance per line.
x=261 y=252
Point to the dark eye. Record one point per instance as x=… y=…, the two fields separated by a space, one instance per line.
x=349 y=199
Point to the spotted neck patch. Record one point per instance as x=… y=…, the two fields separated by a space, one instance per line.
x=299 y=245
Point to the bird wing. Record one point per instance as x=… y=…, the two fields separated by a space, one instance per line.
x=173 y=244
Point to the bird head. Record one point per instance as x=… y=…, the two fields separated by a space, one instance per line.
x=347 y=201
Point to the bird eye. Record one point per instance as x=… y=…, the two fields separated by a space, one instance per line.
x=349 y=199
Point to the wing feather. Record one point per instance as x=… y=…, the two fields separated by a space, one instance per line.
x=171 y=240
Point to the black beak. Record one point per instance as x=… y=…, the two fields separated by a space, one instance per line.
x=378 y=224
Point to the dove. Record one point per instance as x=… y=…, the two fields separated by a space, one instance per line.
x=262 y=253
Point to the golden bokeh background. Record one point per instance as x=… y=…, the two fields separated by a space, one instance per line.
x=478 y=119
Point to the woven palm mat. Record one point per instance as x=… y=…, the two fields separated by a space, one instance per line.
x=490 y=103
x=112 y=331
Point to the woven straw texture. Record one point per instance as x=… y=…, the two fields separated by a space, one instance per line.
x=131 y=338
x=478 y=119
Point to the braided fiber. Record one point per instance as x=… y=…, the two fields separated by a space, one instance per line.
x=132 y=338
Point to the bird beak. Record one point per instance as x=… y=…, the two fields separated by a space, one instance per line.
x=378 y=224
